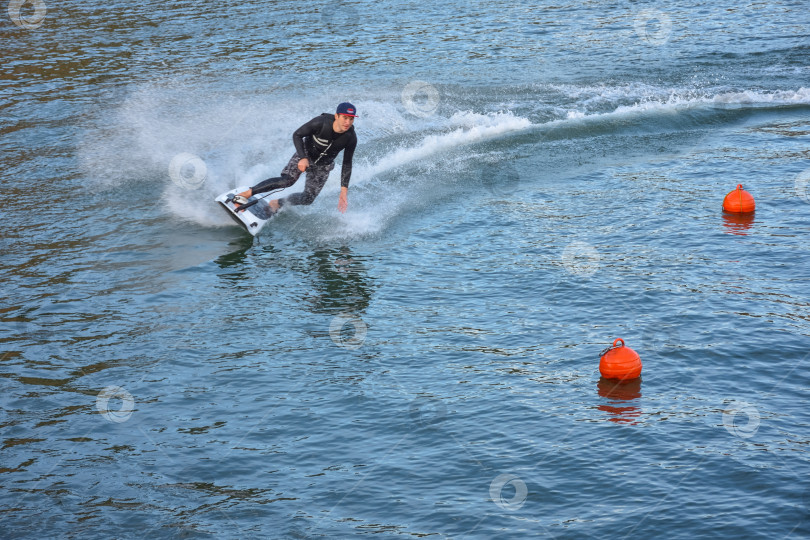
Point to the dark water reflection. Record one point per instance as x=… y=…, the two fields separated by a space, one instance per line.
x=341 y=281
x=738 y=224
x=620 y=394
x=235 y=258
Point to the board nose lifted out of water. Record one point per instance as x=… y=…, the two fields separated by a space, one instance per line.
x=252 y=216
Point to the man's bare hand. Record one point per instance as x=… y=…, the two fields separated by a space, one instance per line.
x=343 y=201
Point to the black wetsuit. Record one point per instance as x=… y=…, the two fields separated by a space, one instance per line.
x=317 y=142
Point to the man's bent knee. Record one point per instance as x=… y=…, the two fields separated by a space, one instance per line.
x=300 y=199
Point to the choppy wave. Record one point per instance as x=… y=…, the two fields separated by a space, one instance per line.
x=241 y=140
x=472 y=128
x=585 y=101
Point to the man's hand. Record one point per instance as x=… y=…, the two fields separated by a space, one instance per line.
x=303 y=164
x=343 y=201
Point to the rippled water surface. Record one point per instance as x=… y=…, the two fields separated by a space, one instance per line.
x=533 y=181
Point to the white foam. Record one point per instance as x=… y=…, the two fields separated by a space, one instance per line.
x=472 y=128
x=780 y=97
x=242 y=140
x=193 y=207
x=679 y=101
x=368 y=212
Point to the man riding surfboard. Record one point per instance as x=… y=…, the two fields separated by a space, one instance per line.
x=317 y=144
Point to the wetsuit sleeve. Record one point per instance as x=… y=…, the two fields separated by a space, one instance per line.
x=310 y=128
x=346 y=169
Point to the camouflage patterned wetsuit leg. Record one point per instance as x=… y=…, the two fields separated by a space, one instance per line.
x=316 y=178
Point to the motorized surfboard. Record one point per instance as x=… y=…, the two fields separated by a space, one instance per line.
x=252 y=216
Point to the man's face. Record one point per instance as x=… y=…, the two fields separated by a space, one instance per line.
x=342 y=123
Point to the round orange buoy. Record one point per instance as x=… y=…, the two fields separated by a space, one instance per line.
x=619 y=362
x=739 y=201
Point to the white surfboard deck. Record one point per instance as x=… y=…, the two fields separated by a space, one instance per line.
x=254 y=218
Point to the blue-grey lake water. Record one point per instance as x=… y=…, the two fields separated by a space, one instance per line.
x=533 y=180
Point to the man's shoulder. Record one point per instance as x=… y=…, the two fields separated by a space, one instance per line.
x=321 y=119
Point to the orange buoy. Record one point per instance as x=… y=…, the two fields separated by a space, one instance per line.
x=739 y=201
x=619 y=362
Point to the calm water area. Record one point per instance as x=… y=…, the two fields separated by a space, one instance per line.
x=532 y=181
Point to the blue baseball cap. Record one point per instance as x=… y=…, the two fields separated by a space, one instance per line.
x=347 y=109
